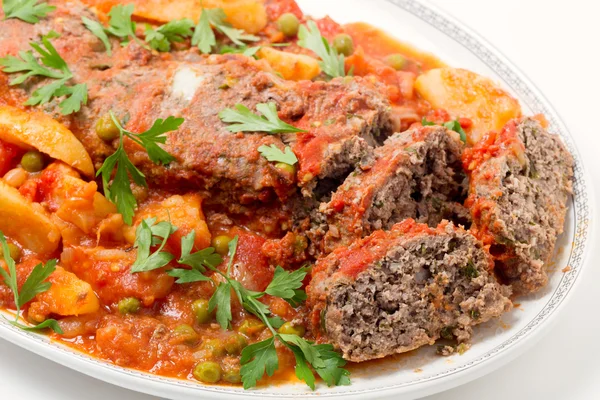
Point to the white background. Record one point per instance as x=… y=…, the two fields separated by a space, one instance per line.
x=557 y=44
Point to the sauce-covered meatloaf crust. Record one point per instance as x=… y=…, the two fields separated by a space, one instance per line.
x=395 y=291
x=520 y=182
x=343 y=118
x=415 y=174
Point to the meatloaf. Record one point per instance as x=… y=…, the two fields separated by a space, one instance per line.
x=344 y=117
x=395 y=291
x=521 y=179
x=415 y=174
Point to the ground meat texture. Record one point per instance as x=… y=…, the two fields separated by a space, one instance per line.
x=343 y=118
x=521 y=180
x=415 y=174
x=395 y=291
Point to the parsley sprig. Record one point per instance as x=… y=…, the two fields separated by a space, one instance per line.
x=52 y=66
x=26 y=10
x=34 y=285
x=175 y=31
x=119 y=190
x=273 y=153
x=244 y=120
x=261 y=357
x=331 y=62
x=204 y=36
x=452 y=125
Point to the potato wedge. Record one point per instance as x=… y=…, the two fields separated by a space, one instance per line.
x=67 y=296
x=295 y=67
x=466 y=94
x=26 y=222
x=39 y=131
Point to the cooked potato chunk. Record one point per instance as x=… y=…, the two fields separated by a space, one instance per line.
x=466 y=94
x=67 y=296
x=26 y=222
x=39 y=131
x=185 y=212
x=291 y=66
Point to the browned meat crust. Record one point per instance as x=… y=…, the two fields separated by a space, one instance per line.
x=415 y=174
x=521 y=180
x=344 y=117
x=398 y=290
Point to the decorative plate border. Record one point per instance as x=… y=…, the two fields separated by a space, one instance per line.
x=531 y=96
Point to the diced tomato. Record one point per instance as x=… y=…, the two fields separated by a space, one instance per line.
x=8 y=155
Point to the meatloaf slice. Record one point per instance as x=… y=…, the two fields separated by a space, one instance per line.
x=343 y=117
x=521 y=180
x=416 y=174
x=395 y=291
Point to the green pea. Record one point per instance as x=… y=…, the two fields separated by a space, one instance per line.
x=208 y=372
x=343 y=44
x=289 y=329
x=286 y=168
x=187 y=333
x=106 y=128
x=251 y=327
x=221 y=244
x=288 y=24
x=14 y=251
x=129 y=305
x=235 y=343
x=232 y=375
x=396 y=61
x=215 y=347
x=200 y=310
x=32 y=161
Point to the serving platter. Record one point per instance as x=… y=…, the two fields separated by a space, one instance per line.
x=422 y=372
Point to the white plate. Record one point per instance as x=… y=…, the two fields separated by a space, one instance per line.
x=419 y=373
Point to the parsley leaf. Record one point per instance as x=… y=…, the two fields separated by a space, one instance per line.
x=119 y=191
x=217 y=17
x=331 y=62
x=246 y=121
x=97 y=29
x=26 y=10
x=76 y=96
x=34 y=285
x=145 y=235
x=204 y=36
x=257 y=359
x=452 y=125
x=285 y=284
x=245 y=50
x=273 y=153
x=221 y=301
x=201 y=259
x=120 y=23
x=455 y=126
x=173 y=31
x=187 y=275
x=52 y=66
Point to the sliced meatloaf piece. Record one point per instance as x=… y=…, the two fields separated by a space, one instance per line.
x=395 y=291
x=521 y=179
x=415 y=174
x=343 y=117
